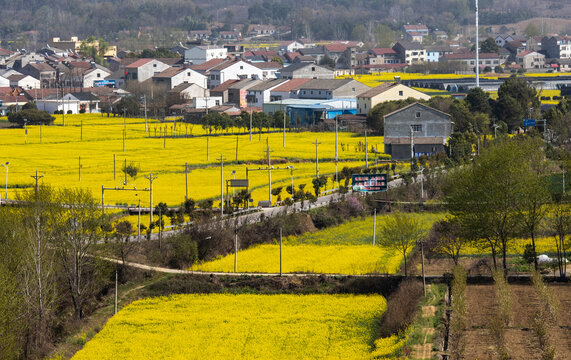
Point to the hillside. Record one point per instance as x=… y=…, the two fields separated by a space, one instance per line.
x=140 y=23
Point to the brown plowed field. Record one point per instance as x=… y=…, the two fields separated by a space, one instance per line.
x=520 y=339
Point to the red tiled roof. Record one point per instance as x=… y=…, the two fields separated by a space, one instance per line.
x=527 y=52
x=5 y=52
x=80 y=64
x=208 y=65
x=169 y=72
x=41 y=66
x=292 y=55
x=138 y=63
x=383 y=51
x=336 y=48
x=224 y=86
x=415 y=27
x=292 y=84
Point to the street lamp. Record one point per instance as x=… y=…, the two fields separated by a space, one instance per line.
x=6 y=166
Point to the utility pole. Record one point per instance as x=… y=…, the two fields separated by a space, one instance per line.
x=221 y=185
x=145 y=102
x=477 y=50
x=281 y=258
x=284 y=129
x=37 y=178
x=235 y=249
x=125 y=171
x=250 y=123
x=269 y=171
x=316 y=158
x=139 y=222
x=336 y=152
x=421 y=185
x=366 y=151
x=186 y=180
x=79 y=168
x=207 y=144
x=374 y=226
x=411 y=146
x=151 y=178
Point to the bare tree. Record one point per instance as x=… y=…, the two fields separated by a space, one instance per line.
x=76 y=229
x=401 y=232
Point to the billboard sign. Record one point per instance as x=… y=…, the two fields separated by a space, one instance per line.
x=370 y=182
x=239 y=183
x=99 y=83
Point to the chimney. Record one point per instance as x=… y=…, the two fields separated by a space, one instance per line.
x=397 y=79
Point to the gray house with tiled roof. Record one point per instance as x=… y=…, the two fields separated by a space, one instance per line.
x=416 y=130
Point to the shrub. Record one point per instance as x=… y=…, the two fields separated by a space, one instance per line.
x=32 y=117
x=401 y=308
x=69 y=112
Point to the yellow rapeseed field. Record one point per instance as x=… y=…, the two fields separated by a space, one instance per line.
x=55 y=151
x=222 y=326
x=321 y=259
x=343 y=249
x=542 y=245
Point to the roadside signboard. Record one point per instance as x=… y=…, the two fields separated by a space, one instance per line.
x=528 y=122
x=239 y=183
x=99 y=83
x=370 y=182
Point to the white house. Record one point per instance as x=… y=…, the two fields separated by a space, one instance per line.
x=207 y=102
x=174 y=76
x=290 y=46
x=51 y=104
x=144 y=69
x=259 y=94
x=233 y=70
x=92 y=75
x=287 y=90
x=201 y=54
x=24 y=81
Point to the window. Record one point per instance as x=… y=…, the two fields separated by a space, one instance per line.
x=98 y=75
x=313 y=68
x=154 y=65
x=241 y=67
x=416 y=127
x=365 y=105
x=401 y=93
x=311 y=92
x=417 y=115
x=188 y=73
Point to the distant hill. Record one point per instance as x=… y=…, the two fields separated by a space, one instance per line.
x=159 y=22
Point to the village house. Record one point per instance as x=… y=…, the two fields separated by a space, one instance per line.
x=174 y=76
x=144 y=69
x=232 y=70
x=557 y=47
x=386 y=92
x=330 y=89
x=530 y=60
x=306 y=71
x=410 y=52
x=287 y=90
x=200 y=54
x=415 y=33
x=416 y=130
x=259 y=94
